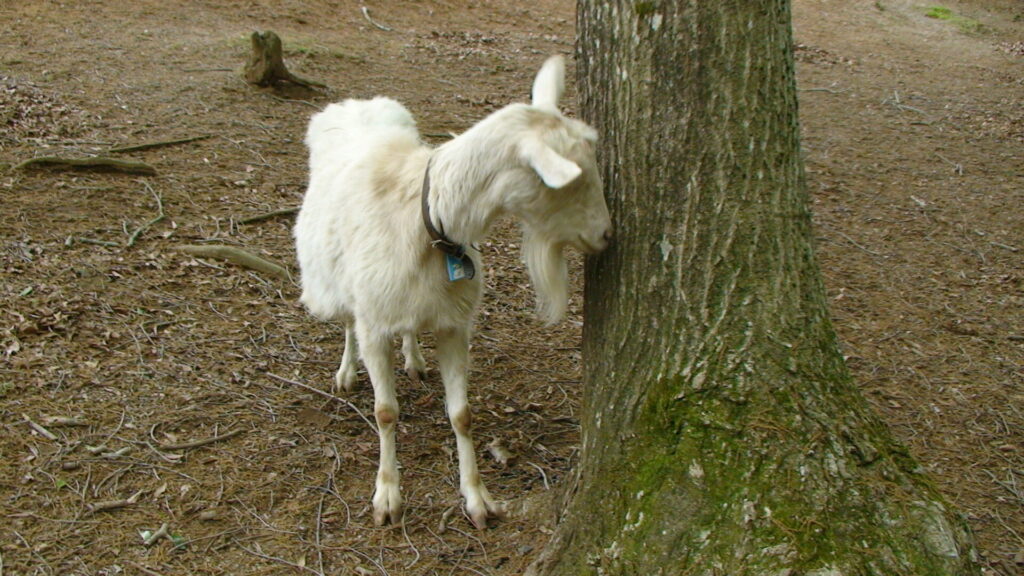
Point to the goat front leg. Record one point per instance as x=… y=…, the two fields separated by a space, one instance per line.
x=415 y=366
x=453 y=358
x=376 y=351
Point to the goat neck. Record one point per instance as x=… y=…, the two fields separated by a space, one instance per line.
x=467 y=175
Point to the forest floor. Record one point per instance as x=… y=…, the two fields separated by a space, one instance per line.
x=913 y=130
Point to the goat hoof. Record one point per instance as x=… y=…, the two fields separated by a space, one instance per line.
x=484 y=510
x=416 y=375
x=387 y=506
x=344 y=381
x=479 y=520
x=383 y=517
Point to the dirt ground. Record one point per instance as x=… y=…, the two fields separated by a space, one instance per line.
x=913 y=137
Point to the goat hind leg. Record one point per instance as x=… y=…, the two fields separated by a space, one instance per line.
x=376 y=352
x=453 y=357
x=345 y=378
x=415 y=366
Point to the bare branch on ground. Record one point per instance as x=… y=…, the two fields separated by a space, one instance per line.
x=160 y=216
x=198 y=443
x=39 y=429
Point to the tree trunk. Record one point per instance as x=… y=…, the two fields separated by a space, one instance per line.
x=721 y=431
x=266 y=63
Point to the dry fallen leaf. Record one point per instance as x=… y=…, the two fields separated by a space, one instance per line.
x=501 y=454
x=313 y=417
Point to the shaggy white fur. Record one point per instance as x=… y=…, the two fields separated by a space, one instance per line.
x=367 y=260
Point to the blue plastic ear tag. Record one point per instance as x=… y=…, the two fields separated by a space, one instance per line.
x=459 y=268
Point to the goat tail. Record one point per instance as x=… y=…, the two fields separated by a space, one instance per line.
x=549 y=273
x=349 y=124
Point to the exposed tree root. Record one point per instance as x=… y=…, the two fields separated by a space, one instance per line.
x=238 y=257
x=269 y=215
x=94 y=163
x=158 y=144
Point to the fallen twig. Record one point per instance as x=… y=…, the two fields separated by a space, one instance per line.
x=543 y=476
x=901 y=106
x=269 y=215
x=325 y=395
x=160 y=216
x=911 y=108
x=161 y=532
x=237 y=256
x=72 y=239
x=366 y=14
x=362 y=571
x=114 y=504
x=115 y=454
x=294 y=101
x=957 y=167
x=198 y=443
x=172 y=458
x=479 y=543
x=96 y=162
x=186 y=543
x=158 y=144
x=64 y=421
x=411 y=545
x=854 y=242
x=442 y=526
x=276 y=559
x=144 y=570
x=1005 y=246
x=1010 y=486
x=39 y=429
x=829 y=90
x=320 y=521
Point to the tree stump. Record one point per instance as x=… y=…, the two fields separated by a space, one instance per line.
x=266 y=63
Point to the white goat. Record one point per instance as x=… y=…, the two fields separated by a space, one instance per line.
x=385 y=217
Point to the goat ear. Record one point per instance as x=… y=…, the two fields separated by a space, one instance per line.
x=550 y=84
x=554 y=169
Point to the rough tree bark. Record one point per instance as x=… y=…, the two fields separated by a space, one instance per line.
x=721 y=431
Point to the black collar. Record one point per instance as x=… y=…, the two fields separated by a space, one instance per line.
x=437 y=237
x=458 y=263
